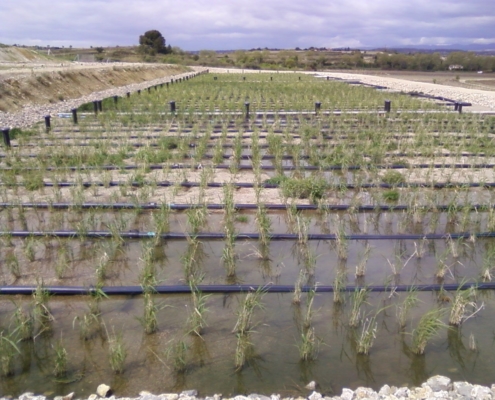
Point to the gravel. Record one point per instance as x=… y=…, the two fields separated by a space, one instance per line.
x=437 y=387
x=485 y=99
x=33 y=114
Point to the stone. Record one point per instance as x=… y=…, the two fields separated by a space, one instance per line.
x=437 y=383
x=256 y=396
x=149 y=396
x=66 y=397
x=315 y=396
x=311 y=385
x=463 y=388
x=103 y=390
x=402 y=392
x=275 y=397
x=93 y=396
x=441 y=394
x=365 y=393
x=481 y=393
x=347 y=394
x=169 y=396
x=385 y=390
x=189 y=393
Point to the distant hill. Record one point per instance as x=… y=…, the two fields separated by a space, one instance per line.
x=18 y=54
x=478 y=48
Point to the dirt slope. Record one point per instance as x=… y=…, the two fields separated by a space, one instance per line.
x=53 y=83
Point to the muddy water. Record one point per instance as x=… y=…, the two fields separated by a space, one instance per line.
x=274 y=365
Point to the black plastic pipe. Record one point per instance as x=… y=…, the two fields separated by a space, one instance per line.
x=6 y=136
x=48 y=124
x=266 y=167
x=249 y=206
x=74 y=115
x=247 y=185
x=135 y=234
x=269 y=288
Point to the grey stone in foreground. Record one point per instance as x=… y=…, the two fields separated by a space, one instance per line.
x=435 y=388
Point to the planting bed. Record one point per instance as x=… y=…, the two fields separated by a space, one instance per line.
x=270 y=230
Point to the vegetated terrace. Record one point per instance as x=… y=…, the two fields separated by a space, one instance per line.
x=260 y=182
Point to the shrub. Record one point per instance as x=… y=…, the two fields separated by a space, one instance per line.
x=392 y=177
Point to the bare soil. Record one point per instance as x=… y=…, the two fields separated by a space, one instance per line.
x=37 y=84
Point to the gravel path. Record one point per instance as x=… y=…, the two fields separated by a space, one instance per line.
x=481 y=98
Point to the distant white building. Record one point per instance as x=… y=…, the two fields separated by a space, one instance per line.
x=455 y=66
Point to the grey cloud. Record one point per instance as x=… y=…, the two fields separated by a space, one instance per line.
x=220 y=24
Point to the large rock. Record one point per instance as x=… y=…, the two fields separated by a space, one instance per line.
x=104 y=390
x=438 y=383
x=347 y=394
x=315 y=396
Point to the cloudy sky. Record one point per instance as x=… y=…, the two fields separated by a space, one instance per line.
x=236 y=24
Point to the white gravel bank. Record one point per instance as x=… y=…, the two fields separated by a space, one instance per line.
x=475 y=96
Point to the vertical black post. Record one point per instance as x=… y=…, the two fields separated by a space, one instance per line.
x=172 y=81
x=460 y=108
x=115 y=99
x=456 y=106
x=95 y=106
x=100 y=105
x=74 y=115
x=48 y=124
x=156 y=88
x=149 y=90
x=328 y=78
x=139 y=91
x=299 y=78
x=6 y=136
x=271 y=78
x=214 y=78
x=317 y=107
x=243 y=78
x=172 y=106
x=387 y=105
x=247 y=109
x=128 y=94
x=167 y=84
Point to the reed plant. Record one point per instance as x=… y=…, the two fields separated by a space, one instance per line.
x=8 y=352
x=367 y=336
x=176 y=353
x=251 y=302
x=117 y=352
x=197 y=321
x=462 y=300
x=403 y=309
x=428 y=326
x=361 y=266
x=61 y=359
x=24 y=324
x=309 y=346
x=339 y=283
x=358 y=299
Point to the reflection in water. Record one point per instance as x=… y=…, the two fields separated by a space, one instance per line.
x=417 y=371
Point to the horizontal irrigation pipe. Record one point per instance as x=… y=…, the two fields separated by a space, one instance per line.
x=273 y=207
x=273 y=114
x=269 y=288
x=135 y=234
x=348 y=186
x=263 y=167
x=250 y=157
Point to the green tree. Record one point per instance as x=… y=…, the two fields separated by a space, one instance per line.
x=153 y=42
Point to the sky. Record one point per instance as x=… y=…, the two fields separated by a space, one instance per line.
x=238 y=24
